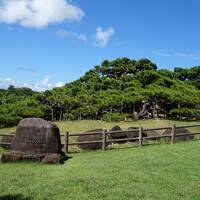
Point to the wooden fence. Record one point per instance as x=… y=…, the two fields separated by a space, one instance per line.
x=106 y=140
x=140 y=139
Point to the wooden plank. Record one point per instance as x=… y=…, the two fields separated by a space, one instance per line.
x=85 y=142
x=189 y=126
x=104 y=140
x=156 y=129
x=5 y=143
x=156 y=137
x=194 y=134
x=123 y=140
x=66 y=142
x=84 y=133
x=7 y=135
x=173 y=136
x=186 y=134
x=140 y=136
x=125 y=131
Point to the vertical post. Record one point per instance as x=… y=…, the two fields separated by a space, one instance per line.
x=173 y=135
x=104 y=135
x=66 y=146
x=140 y=136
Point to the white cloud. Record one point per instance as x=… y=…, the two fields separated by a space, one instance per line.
x=190 y=56
x=161 y=53
x=103 y=37
x=45 y=81
x=73 y=35
x=59 y=84
x=45 y=84
x=27 y=69
x=38 y=13
x=177 y=54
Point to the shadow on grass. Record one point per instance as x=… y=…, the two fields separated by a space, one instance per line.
x=14 y=197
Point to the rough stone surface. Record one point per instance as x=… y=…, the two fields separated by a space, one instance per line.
x=179 y=131
x=120 y=135
x=7 y=139
x=37 y=140
x=134 y=133
x=36 y=135
x=52 y=158
x=152 y=133
x=11 y=157
x=96 y=137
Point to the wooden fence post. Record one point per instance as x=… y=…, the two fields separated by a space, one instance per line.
x=140 y=136
x=173 y=135
x=104 y=138
x=66 y=146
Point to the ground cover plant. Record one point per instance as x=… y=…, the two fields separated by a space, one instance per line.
x=152 y=172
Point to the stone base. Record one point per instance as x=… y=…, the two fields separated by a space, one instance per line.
x=48 y=158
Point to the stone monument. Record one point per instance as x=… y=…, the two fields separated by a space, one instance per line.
x=35 y=139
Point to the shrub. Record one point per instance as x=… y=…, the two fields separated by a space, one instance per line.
x=185 y=112
x=8 y=120
x=114 y=117
x=69 y=116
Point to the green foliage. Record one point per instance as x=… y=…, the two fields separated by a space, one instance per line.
x=120 y=86
x=69 y=116
x=114 y=117
x=184 y=112
x=7 y=120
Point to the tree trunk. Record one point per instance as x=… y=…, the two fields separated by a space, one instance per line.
x=178 y=116
x=61 y=114
x=52 y=115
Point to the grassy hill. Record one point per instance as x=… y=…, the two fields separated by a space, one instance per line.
x=153 y=172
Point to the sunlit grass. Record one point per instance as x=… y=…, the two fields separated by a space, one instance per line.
x=157 y=172
x=84 y=125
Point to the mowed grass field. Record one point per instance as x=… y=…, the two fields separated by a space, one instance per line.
x=84 y=125
x=153 y=172
x=159 y=171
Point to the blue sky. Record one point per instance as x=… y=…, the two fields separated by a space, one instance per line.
x=43 y=45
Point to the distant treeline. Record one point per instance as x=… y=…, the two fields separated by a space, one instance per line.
x=115 y=90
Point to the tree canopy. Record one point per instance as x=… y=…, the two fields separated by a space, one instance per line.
x=134 y=89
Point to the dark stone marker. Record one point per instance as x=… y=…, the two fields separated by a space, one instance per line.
x=134 y=133
x=183 y=131
x=94 y=137
x=118 y=135
x=35 y=139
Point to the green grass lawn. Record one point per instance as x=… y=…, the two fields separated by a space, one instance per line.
x=153 y=172
x=84 y=125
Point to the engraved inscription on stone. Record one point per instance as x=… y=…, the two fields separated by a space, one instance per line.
x=37 y=136
x=34 y=140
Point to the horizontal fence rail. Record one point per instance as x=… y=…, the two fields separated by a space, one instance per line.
x=107 y=139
